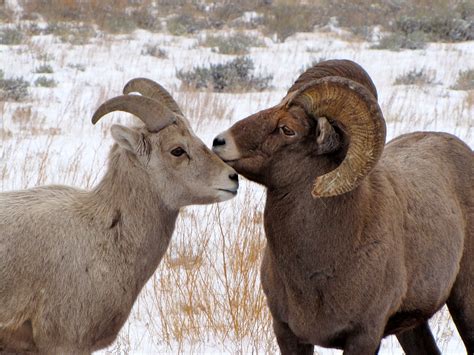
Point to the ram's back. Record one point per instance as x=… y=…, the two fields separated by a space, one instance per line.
x=439 y=161
x=432 y=176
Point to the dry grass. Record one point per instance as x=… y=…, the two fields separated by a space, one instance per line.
x=208 y=285
x=197 y=106
x=206 y=294
x=416 y=77
x=465 y=80
x=469 y=101
x=281 y=18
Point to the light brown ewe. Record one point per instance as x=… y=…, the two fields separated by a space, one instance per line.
x=72 y=262
x=363 y=240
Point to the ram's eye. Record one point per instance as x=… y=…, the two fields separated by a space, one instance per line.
x=177 y=152
x=287 y=131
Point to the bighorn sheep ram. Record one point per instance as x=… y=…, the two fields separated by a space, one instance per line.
x=362 y=240
x=72 y=262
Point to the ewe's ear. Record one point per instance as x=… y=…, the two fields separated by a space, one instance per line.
x=327 y=138
x=130 y=139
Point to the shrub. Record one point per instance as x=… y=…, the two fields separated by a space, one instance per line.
x=233 y=13
x=44 y=69
x=185 y=24
x=235 y=44
x=13 y=89
x=363 y=32
x=116 y=16
x=45 y=82
x=146 y=20
x=69 y=32
x=445 y=27
x=286 y=20
x=397 y=41
x=154 y=50
x=414 y=77
x=465 y=80
x=77 y=66
x=235 y=75
x=117 y=22
x=11 y=36
x=5 y=14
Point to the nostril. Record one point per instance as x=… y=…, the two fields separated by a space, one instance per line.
x=218 y=141
x=234 y=177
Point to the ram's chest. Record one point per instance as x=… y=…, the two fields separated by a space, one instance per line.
x=311 y=311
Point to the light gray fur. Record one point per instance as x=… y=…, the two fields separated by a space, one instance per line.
x=72 y=262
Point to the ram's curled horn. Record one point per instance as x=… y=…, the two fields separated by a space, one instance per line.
x=356 y=109
x=336 y=67
x=154 y=114
x=153 y=90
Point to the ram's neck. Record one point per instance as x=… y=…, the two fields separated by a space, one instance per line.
x=133 y=219
x=314 y=235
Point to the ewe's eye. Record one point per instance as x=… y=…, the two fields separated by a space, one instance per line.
x=177 y=152
x=287 y=131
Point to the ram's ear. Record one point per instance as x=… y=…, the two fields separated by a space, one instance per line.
x=327 y=138
x=130 y=139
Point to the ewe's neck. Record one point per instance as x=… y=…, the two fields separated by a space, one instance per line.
x=133 y=217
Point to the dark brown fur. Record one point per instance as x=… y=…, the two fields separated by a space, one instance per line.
x=348 y=270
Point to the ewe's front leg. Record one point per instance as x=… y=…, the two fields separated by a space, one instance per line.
x=288 y=342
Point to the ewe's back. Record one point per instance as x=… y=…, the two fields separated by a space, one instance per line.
x=23 y=214
x=26 y=217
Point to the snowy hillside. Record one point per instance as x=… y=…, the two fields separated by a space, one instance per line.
x=191 y=304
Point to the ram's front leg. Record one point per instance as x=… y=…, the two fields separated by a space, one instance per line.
x=362 y=346
x=66 y=350
x=365 y=342
x=418 y=341
x=288 y=342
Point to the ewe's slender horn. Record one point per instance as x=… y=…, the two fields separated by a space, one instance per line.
x=356 y=108
x=155 y=115
x=153 y=90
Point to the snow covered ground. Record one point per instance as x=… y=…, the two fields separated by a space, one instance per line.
x=48 y=138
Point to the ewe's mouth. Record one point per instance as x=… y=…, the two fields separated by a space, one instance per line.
x=233 y=192
x=231 y=162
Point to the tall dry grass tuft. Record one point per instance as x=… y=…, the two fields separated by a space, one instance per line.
x=207 y=287
x=202 y=106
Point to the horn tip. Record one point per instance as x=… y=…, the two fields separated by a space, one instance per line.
x=128 y=88
x=95 y=119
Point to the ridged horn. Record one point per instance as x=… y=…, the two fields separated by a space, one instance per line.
x=155 y=115
x=355 y=107
x=153 y=90
x=336 y=67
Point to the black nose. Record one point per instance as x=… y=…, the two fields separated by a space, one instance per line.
x=218 y=141
x=234 y=177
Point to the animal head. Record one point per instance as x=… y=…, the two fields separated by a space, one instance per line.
x=329 y=124
x=179 y=166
